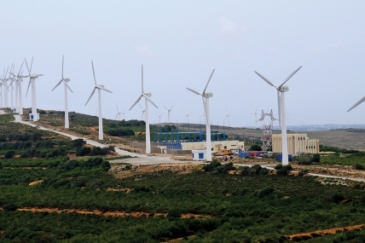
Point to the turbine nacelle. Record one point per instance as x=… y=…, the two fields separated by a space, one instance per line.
x=66 y=79
x=283 y=88
x=148 y=94
x=208 y=94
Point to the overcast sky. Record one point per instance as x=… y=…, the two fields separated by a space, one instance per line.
x=179 y=43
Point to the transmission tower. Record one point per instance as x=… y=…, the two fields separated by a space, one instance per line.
x=267 y=128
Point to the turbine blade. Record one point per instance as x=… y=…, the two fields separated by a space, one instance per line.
x=142 y=79
x=206 y=86
x=20 y=69
x=57 y=84
x=92 y=93
x=150 y=101
x=165 y=107
x=291 y=75
x=28 y=88
x=62 y=66
x=139 y=98
x=267 y=81
x=31 y=65
x=171 y=107
x=92 y=64
x=117 y=108
x=196 y=92
x=68 y=87
x=116 y=116
x=26 y=63
x=107 y=90
x=357 y=103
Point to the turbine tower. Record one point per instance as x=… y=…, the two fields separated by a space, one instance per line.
x=99 y=87
x=5 y=87
x=65 y=81
x=206 y=95
x=168 y=112
x=281 y=89
x=227 y=116
x=18 y=90
x=34 y=116
x=146 y=96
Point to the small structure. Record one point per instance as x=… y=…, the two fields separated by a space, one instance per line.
x=198 y=154
x=297 y=144
x=215 y=145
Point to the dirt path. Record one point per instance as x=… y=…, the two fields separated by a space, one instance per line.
x=318 y=233
x=107 y=214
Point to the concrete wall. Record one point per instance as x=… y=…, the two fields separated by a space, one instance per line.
x=216 y=145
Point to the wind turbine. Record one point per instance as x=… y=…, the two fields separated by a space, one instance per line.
x=65 y=81
x=146 y=96
x=227 y=116
x=32 y=77
x=206 y=95
x=5 y=87
x=159 y=117
x=168 y=112
x=255 y=114
x=11 y=88
x=281 y=89
x=18 y=90
x=187 y=116
x=118 y=113
x=98 y=87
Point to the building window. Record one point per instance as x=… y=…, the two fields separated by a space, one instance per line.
x=201 y=155
x=225 y=147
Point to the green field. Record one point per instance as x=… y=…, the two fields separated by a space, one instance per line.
x=248 y=207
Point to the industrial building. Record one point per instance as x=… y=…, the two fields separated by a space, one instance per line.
x=216 y=145
x=297 y=144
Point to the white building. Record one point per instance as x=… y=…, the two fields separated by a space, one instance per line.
x=216 y=145
x=198 y=154
x=297 y=144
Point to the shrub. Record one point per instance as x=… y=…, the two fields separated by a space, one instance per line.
x=211 y=166
x=283 y=170
x=78 y=142
x=82 y=151
x=333 y=196
x=358 y=166
x=264 y=192
x=10 y=154
x=255 y=147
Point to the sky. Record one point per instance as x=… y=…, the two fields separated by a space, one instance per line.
x=179 y=43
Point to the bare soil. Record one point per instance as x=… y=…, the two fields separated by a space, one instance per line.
x=332 y=231
x=108 y=214
x=119 y=172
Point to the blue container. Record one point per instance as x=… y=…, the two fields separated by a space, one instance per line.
x=244 y=154
x=279 y=157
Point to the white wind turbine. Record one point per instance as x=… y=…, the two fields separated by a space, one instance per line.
x=168 y=112
x=159 y=117
x=18 y=90
x=11 y=78
x=227 y=116
x=255 y=114
x=146 y=96
x=281 y=89
x=65 y=81
x=187 y=116
x=32 y=77
x=206 y=95
x=98 y=87
x=119 y=113
x=4 y=80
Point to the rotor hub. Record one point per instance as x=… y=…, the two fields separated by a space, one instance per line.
x=284 y=88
